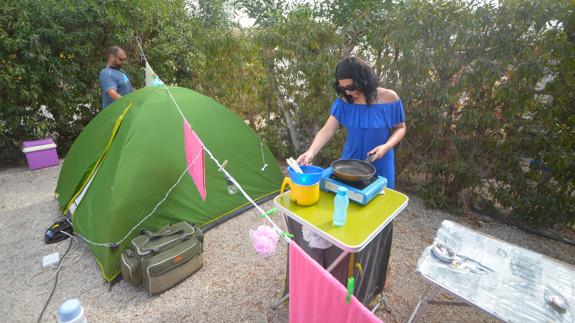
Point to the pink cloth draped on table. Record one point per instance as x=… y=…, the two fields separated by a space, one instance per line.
x=316 y=296
x=195 y=154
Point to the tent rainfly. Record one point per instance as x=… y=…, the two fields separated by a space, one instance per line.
x=125 y=171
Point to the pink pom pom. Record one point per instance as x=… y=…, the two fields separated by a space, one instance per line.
x=264 y=240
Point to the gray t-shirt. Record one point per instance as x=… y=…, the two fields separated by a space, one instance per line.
x=113 y=78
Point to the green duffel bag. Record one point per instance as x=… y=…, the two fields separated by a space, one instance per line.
x=160 y=260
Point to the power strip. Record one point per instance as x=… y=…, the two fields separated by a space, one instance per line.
x=51 y=261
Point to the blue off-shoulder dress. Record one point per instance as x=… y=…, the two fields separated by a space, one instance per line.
x=369 y=126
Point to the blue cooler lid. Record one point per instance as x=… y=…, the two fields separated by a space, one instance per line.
x=69 y=310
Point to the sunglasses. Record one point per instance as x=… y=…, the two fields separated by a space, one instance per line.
x=349 y=88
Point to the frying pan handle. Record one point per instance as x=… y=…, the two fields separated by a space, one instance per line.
x=369 y=158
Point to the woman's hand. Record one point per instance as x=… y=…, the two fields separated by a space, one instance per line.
x=397 y=134
x=321 y=138
x=379 y=151
x=305 y=158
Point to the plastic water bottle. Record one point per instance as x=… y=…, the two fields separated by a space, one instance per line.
x=71 y=311
x=341 y=202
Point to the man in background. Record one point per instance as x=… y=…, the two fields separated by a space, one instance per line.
x=114 y=82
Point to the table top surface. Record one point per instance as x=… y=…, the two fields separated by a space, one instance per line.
x=363 y=222
x=502 y=279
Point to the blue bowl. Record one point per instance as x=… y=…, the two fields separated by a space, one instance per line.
x=311 y=175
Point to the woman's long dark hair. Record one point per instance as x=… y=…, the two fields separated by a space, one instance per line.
x=363 y=77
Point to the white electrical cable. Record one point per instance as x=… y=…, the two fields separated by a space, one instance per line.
x=71 y=236
x=56 y=276
x=30 y=282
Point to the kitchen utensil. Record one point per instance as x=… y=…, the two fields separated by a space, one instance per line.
x=353 y=170
x=443 y=252
x=294 y=165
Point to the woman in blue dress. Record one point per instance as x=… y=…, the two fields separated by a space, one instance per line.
x=375 y=123
x=373 y=117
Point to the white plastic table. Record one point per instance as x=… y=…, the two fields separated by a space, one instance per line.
x=508 y=282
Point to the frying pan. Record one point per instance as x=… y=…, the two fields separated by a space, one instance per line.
x=353 y=170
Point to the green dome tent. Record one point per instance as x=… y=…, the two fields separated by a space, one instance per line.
x=131 y=156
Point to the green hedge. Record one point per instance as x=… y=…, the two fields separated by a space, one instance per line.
x=488 y=88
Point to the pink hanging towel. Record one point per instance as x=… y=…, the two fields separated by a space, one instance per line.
x=316 y=296
x=195 y=154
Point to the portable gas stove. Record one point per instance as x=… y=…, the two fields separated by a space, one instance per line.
x=360 y=192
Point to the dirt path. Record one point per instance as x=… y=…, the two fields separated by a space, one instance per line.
x=235 y=283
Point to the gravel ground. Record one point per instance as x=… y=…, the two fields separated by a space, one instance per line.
x=235 y=283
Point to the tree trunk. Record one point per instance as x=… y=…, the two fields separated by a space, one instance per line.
x=271 y=73
x=378 y=64
x=292 y=131
x=348 y=49
x=283 y=107
x=350 y=40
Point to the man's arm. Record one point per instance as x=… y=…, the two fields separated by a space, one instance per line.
x=114 y=94
x=108 y=84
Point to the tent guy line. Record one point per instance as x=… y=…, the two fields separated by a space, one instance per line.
x=213 y=158
x=232 y=179
x=264 y=165
x=228 y=175
x=263 y=213
x=115 y=244
x=140 y=166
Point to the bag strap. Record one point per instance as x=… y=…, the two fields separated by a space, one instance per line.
x=150 y=236
x=160 y=234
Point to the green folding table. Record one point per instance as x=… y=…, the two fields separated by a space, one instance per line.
x=362 y=225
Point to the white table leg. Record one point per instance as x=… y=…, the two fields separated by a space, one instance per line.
x=337 y=261
x=429 y=295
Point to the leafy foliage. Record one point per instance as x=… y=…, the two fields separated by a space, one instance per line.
x=488 y=87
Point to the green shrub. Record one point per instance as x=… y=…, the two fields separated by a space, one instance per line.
x=488 y=89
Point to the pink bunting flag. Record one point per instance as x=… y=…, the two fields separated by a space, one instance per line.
x=195 y=157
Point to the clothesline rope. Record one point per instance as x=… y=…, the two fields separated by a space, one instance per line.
x=213 y=158
x=229 y=176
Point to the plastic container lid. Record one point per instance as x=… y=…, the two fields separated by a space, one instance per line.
x=342 y=190
x=32 y=143
x=69 y=310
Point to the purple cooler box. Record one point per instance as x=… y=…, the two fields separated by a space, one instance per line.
x=40 y=153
